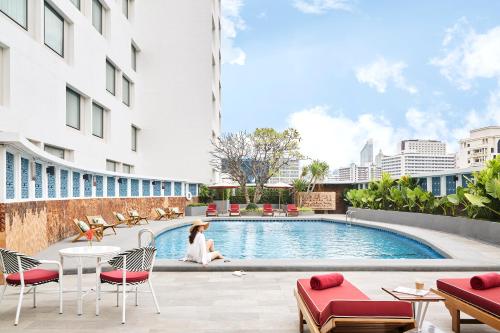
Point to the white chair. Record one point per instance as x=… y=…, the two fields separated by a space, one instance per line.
x=132 y=268
x=20 y=270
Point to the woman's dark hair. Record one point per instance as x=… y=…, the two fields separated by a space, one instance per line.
x=192 y=235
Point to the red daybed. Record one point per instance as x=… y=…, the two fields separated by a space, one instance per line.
x=292 y=210
x=483 y=305
x=267 y=210
x=346 y=307
x=212 y=210
x=234 y=210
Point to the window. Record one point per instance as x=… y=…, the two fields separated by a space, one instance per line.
x=72 y=109
x=97 y=15
x=111 y=165
x=58 y=152
x=125 y=7
x=97 y=121
x=134 y=138
x=76 y=3
x=17 y=10
x=126 y=91
x=134 y=57
x=110 y=77
x=54 y=30
x=126 y=168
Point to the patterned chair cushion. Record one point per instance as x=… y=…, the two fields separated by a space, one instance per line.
x=99 y=220
x=83 y=226
x=134 y=213
x=160 y=211
x=120 y=217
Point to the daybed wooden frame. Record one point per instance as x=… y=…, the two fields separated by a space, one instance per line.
x=127 y=220
x=166 y=213
x=456 y=305
x=98 y=230
x=90 y=219
x=351 y=324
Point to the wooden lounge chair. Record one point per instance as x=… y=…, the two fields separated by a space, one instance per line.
x=83 y=227
x=234 y=210
x=212 y=210
x=291 y=210
x=134 y=215
x=267 y=210
x=346 y=308
x=175 y=211
x=482 y=305
x=99 y=220
x=122 y=219
x=162 y=213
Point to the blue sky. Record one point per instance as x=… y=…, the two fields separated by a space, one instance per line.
x=344 y=71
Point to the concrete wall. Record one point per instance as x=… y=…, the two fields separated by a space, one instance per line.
x=485 y=231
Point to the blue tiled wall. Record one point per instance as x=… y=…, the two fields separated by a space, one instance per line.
x=51 y=185
x=87 y=186
x=157 y=188
x=123 y=187
x=134 y=187
x=192 y=189
x=76 y=184
x=146 y=188
x=178 y=189
x=436 y=186
x=25 y=178
x=451 y=185
x=422 y=182
x=466 y=179
x=10 y=191
x=99 y=186
x=38 y=180
x=64 y=184
x=168 y=189
x=111 y=187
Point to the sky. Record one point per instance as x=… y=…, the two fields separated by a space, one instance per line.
x=344 y=71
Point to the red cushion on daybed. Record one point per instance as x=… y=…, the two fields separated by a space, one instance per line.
x=34 y=276
x=131 y=277
x=347 y=301
x=488 y=299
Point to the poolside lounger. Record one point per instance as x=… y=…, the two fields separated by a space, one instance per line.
x=19 y=270
x=122 y=219
x=99 y=220
x=83 y=227
x=135 y=216
x=234 y=210
x=162 y=213
x=345 y=308
x=267 y=210
x=175 y=211
x=483 y=305
x=211 y=210
x=291 y=210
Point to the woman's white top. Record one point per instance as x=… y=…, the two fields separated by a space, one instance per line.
x=197 y=251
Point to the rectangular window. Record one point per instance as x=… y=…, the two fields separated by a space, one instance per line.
x=126 y=168
x=110 y=77
x=126 y=91
x=134 y=138
x=97 y=121
x=134 y=57
x=111 y=165
x=97 y=15
x=58 y=152
x=125 y=8
x=76 y=3
x=54 y=30
x=17 y=10
x=72 y=109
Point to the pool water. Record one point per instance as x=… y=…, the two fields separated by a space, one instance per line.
x=297 y=240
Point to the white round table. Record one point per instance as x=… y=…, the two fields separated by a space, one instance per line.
x=81 y=252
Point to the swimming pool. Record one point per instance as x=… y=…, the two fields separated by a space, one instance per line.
x=292 y=239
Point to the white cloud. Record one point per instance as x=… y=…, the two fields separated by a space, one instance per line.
x=319 y=7
x=231 y=24
x=468 y=55
x=380 y=73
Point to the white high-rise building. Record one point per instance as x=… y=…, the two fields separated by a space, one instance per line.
x=482 y=145
x=429 y=147
x=366 y=154
x=111 y=86
x=353 y=173
x=288 y=173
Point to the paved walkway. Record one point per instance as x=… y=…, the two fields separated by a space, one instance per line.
x=207 y=302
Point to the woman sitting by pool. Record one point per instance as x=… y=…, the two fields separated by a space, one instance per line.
x=199 y=249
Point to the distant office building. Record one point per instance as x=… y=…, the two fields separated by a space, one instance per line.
x=429 y=147
x=482 y=145
x=366 y=155
x=354 y=173
x=378 y=158
x=288 y=173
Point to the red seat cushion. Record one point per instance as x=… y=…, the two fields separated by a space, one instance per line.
x=348 y=301
x=131 y=277
x=34 y=276
x=488 y=300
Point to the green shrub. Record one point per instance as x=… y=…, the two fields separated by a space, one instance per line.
x=198 y=204
x=252 y=207
x=305 y=209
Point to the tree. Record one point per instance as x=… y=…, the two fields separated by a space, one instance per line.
x=317 y=171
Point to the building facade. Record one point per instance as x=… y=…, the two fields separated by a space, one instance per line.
x=288 y=173
x=366 y=154
x=483 y=144
x=429 y=147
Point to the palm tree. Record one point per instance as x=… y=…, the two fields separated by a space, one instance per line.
x=318 y=171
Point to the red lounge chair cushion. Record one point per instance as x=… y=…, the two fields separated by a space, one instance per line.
x=485 y=281
x=131 y=277
x=234 y=208
x=488 y=300
x=319 y=282
x=34 y=276
x=268 y=207
x=348 y=301
x=291 y=208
